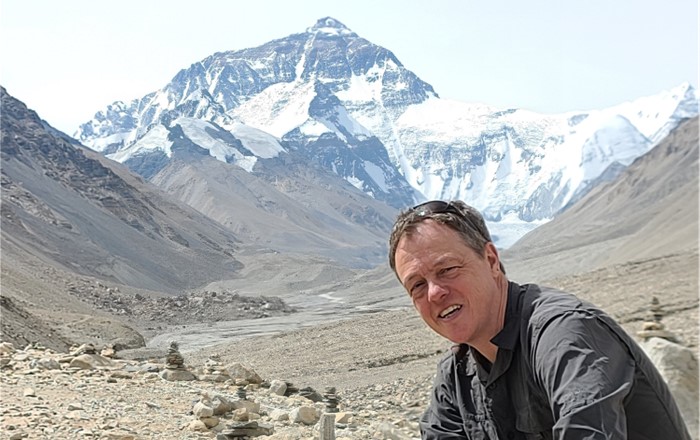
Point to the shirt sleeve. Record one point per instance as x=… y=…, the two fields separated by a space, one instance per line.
x=587 y=372
x=442 y=419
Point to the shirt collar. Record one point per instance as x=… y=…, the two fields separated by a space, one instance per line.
x=507 y=338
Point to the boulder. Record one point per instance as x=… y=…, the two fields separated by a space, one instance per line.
x=679 y=367
x=239 y=372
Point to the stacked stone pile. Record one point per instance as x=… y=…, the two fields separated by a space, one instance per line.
x=175 y=365
x=82 y=394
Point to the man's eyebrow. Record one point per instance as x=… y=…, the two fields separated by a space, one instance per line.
x=444 y=259
x=405 y=282
x=439 y=261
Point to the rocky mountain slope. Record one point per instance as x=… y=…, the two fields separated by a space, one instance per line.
x=82 y=238
x=381 y=362
x=650 y=210
x=329 y=97
x=92 y=253
x=80 y=212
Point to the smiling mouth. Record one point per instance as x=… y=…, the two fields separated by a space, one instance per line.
x=451 y=310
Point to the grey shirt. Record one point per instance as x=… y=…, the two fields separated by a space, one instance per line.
x=564 y=370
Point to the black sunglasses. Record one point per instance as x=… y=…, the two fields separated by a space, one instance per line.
x=440 y=207
x=436 y=207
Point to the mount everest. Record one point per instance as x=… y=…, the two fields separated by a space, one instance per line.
x=330 y=98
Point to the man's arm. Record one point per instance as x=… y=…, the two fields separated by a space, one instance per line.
x=442 y=419
x=587 y=372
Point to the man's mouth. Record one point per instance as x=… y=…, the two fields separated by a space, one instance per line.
x=451 y=310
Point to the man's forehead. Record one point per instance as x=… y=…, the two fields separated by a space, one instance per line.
x=412 y=264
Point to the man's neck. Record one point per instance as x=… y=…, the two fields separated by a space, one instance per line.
x=486 y=348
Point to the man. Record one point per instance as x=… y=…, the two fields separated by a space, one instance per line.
x=531 y=362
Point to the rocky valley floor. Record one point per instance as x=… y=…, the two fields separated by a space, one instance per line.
x=381 y=364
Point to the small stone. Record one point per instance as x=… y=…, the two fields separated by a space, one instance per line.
x=90 y=361
x=343 y=417
x=176 y=375
x=278 y=387
x=304 y=414
x=210 y=422
x=6 y=348
x=279 y=415
x=201 y=410
x=240 y=415
x=197 y=426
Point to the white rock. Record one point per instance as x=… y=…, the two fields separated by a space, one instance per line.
x=201 y=410
x=75 y=407
x=6 y=348
x=210 y=422
x=240 y=415
x=91 y=361
x=176 y=375
x=247 y=404
x=220 y=405
x=679 y=368
x=278 y=387
x=279 y=415
x=198 y=426
x=343 y=417
x=304 y=414
x=239 y=372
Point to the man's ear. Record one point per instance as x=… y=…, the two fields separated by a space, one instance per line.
x=491 y=255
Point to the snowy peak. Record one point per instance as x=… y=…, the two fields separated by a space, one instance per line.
x=331 y=27
x=215 y=87
x=351 y=107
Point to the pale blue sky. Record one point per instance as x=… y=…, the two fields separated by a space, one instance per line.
x=68 y=59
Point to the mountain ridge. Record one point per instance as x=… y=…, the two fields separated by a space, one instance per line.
x=328 y=90
x=649 y=210
x=57 y=193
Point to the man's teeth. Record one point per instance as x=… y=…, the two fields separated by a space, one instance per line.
x=449 y=310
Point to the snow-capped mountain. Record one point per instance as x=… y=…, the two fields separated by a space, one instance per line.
x=341 y=102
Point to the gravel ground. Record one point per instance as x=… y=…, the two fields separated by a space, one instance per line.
x=381 y=364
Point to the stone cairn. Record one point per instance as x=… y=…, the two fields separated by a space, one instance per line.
x=175 y=365
x=331 y=399
x=653 y=327
x=241 y=393
x=327 y=422
x=174 y=360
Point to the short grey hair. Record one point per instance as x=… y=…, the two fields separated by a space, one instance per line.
x=466 y=220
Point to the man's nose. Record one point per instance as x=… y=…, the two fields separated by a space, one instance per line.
x=436 y=291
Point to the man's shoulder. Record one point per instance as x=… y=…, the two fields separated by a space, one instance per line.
x=545 y=299
x=542 y=304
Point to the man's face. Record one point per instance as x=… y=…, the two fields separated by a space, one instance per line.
x=455 y=290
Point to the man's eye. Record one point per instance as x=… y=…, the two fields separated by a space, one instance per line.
x=417 y=289
x=448 y=269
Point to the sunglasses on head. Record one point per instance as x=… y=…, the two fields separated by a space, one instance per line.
x=435 y=207
x=440 y=207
